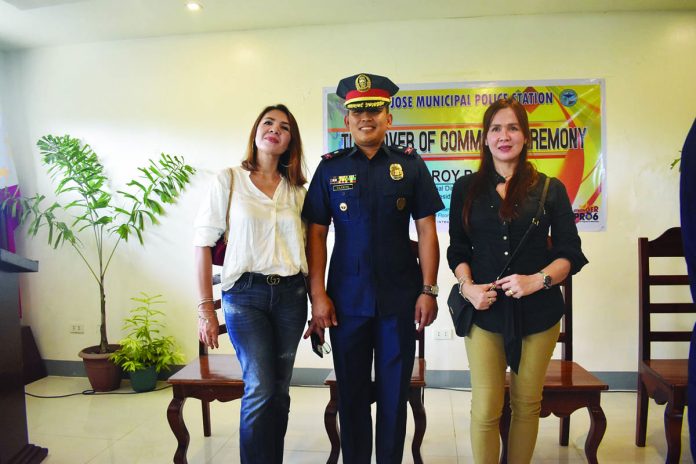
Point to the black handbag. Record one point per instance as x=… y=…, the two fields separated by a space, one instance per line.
x=461 y=310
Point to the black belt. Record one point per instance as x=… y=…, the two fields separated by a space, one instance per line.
x=271 y=279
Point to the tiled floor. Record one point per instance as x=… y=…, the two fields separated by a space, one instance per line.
x=129 y=429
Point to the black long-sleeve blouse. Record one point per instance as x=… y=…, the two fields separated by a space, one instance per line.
x=489 y=241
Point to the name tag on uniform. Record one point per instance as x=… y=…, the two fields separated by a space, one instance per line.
x=346 y=182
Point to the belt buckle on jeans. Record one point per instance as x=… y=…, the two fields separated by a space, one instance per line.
x=273 y=279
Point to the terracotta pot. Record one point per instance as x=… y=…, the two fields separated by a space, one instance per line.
x=103 y=375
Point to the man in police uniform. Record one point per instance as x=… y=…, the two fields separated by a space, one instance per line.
x=376 y=288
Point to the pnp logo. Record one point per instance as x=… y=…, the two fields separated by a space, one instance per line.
x=569 y=97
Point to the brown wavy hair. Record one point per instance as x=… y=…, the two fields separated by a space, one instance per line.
x=522 y=180
x=291 y=164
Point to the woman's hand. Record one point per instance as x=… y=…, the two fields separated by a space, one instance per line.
x=208 y=328
x=481 y=296
x=518 y=285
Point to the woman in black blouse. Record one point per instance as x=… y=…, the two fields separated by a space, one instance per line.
x=517 y=317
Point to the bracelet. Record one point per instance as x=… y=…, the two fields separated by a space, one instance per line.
x=204 y=301
x=463 y=280
x=201 y=318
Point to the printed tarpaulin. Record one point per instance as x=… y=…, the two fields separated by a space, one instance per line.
x=8 y=187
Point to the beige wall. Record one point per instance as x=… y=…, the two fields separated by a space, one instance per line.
x=197 y=96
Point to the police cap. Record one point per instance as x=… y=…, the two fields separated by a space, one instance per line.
x=365 y=91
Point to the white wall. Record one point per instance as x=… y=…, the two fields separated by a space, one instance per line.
x=197 y=96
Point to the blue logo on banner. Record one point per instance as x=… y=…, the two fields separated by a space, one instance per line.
x=569 y=97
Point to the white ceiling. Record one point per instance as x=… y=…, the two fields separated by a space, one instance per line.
x=39 y=23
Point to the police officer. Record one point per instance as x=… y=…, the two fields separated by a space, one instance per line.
x=376 y=288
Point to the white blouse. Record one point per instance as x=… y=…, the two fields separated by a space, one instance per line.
x=266 y=235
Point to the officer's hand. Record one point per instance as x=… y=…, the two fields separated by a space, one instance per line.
x=314 y=328
x=323 y=311
x=426 y=311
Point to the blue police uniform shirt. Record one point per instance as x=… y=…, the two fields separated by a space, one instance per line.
x=373 y=269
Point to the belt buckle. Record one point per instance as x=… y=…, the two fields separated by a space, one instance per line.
x=273 y=279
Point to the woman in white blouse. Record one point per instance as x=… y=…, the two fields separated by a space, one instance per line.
x=264 y=297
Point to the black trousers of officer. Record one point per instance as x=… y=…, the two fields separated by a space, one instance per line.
x=391 y=341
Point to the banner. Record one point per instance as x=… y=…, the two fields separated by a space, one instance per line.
x=443 y=123
x=8 y=188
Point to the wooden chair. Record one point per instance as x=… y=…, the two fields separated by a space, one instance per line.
x=416 y=398
x=208 y=378
x=567 y=388
x=664 y=380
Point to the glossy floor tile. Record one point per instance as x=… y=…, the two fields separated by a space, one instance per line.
x=129 y=428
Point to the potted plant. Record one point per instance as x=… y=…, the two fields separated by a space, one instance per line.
x=145 y=352
x=85 y=205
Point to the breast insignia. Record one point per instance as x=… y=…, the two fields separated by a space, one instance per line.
x=396 y=172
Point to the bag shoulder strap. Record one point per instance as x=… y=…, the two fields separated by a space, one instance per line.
x=229 y=202
x=533 y=224
x=542 y=200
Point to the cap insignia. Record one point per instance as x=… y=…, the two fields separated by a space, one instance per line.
x=363 y=83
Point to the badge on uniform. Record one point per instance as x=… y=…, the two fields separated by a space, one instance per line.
x=346 y=182
x=396 y=172
x=400 y=203
x=343 y=207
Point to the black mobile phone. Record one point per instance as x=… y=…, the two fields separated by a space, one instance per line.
x=316 y=344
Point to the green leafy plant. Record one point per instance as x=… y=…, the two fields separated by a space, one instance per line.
x=145 y=346
x=87 y=206
x=675 y=162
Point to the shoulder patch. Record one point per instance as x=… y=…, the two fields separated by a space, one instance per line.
x=406 y=151
x=336 y=154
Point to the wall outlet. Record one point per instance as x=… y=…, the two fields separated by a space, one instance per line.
x=77 y=328
x=443 y=334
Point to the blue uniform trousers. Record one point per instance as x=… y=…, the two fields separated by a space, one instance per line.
x=688 y=228
x=391 y=340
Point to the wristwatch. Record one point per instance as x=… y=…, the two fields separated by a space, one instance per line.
x=431 y=290
x=546 y=280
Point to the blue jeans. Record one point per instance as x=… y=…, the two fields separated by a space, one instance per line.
x=265 y=322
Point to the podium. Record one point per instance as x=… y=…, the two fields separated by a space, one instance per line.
x=14 y=439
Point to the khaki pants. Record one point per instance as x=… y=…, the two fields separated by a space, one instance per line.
x=487 y=363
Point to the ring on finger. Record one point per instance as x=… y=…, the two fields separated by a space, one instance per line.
x=490 y=300
x=509 y=292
